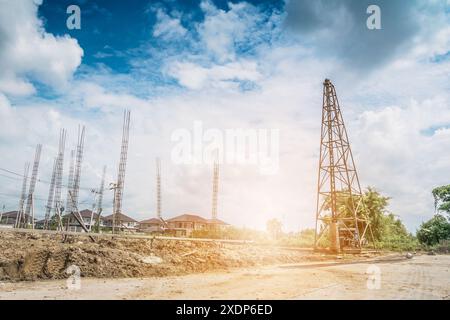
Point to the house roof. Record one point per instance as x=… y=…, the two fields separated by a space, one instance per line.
x=217 y=221
x=152 y=221
x=86 y=213
x=120 y=217
x=10 y=214
x=187 y=218
x=13 y=214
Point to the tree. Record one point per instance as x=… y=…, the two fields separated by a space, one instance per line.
x=434 y=230
x=384 y=224
x=274 y=228
x=376 y=206
x=442 y=198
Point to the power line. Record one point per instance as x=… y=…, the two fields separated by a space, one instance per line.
x=38 y=180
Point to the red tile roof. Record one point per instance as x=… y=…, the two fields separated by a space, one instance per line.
x=187 y=218
x=152 y=221
x=120 y=217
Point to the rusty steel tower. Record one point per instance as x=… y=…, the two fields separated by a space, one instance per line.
x=340 y=211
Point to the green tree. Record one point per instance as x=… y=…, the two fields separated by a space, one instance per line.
x=434 y=230
x=384 y=224
x=442 y=198
x=376 y=206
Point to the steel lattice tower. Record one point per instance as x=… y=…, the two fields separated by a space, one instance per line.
x=100 y=192
x=70 y=181
x=59 y=173
x=215 y=189
x=37 y=158
x=51 y=194
x=23 y=195
x=158 y=188
x=77 y=172
x=340 y=209
x=118 y=189
x=54 y=193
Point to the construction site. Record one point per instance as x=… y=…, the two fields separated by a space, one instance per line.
x=159 y=257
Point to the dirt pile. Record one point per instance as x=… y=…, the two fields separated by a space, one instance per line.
x=40 y=256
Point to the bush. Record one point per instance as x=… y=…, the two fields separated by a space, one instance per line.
x=433 y=231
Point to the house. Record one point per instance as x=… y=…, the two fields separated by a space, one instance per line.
x=123 y=222
x=185 y=224
x=8 y=219
x=217 y=224
x=153 y=225
x=89 y=219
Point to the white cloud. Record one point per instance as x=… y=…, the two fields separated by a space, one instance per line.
x=390 y=115
x=168 y=28
x=27 y=50
x=196 y=77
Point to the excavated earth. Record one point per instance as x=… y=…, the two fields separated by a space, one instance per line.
x=33 y=256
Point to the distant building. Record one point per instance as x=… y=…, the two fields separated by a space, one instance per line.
x=123 y=222
x=8 y=219
x=153 y=225
x=217 y=224
x=185 y=224
x=86 y=215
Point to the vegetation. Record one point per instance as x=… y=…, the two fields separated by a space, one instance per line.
x=442 y=198
x=434 y=231
x=388 y=230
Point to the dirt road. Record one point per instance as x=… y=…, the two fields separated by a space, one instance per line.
x=423 y=277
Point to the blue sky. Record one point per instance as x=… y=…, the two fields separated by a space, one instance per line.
x=252 y=65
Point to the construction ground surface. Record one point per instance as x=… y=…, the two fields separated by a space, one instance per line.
x=33 y=266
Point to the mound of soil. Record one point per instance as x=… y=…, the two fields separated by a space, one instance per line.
x=25 y=256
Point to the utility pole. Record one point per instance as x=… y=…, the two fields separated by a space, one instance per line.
x=340 y=208
x=118 y=187
x=33 y=181
x=158 y=188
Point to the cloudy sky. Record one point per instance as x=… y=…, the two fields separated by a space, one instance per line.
x=254 y=65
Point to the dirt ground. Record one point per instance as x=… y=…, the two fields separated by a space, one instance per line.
x=423 y=277
x=32 y=256
x=34 y=266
